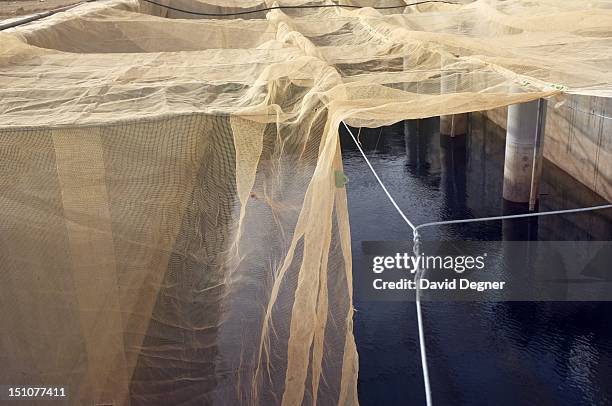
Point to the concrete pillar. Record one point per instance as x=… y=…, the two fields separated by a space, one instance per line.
x=453 y=161
x=422 y=147
x=522 y=167
x=454 y=124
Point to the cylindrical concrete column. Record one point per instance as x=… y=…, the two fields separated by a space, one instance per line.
x=525 y=130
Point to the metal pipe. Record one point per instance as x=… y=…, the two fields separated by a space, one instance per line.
x=536 y=170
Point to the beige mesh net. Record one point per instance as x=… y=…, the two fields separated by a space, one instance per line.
x=170 y=227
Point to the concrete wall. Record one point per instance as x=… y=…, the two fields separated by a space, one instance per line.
x=577 y=139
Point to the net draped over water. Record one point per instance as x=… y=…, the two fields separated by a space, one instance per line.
x=171 y=227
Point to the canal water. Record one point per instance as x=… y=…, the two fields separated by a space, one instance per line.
x=480 y=353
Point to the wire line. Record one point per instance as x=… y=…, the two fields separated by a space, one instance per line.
x=417 y=241
x=38 y=16
x=417 y=275
x=515 y=216
x=380 y=182
x=237 y=13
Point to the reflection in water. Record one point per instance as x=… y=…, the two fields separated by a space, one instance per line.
x=512 y=353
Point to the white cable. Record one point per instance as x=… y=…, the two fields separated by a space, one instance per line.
x=423 y=350
x=438 y=223
x=401 y=213
x=515 y=216
x=417 y=275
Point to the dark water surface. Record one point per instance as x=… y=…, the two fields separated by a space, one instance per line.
x=508 y=353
